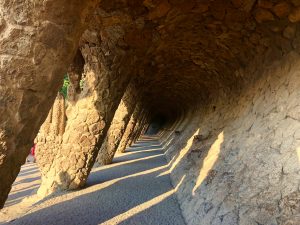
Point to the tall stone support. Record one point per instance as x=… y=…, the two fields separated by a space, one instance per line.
x=145 y=128
x=129 y=129
x=38 y=41
x=140 y=128
x=117 y=127
x=49 y=140
x=51 y=132
x=89 y=113
x=136 y=128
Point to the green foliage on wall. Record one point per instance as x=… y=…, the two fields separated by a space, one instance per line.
x=64 y=88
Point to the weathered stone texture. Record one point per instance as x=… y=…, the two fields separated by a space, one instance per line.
x=117 y=127
x=107 y=71
x=75 y=72
x=129 y=129
x=38 y=40
x=239 y=160
x=51 y=133
x=87 y=123
x=137 y=127
x=140 y=128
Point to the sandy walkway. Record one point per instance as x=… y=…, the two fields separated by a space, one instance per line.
x=135 y=189
x=26 y=183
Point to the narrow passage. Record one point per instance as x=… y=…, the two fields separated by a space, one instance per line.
x=133 y=190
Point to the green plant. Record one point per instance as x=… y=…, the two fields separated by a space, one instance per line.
x=81 y=83
x=64 y=88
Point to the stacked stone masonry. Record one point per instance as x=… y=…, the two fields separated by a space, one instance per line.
x=118 y=125
x=129 y=129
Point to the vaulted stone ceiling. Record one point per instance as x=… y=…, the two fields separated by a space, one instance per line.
x=189 y=51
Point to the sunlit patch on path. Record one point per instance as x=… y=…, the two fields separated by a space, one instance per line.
x=129 y=191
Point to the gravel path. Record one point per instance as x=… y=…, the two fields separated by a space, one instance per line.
x=135 y=189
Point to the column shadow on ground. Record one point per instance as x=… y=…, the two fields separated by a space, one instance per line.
x=132 y=193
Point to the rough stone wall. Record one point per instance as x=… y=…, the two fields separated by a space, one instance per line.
x=238 y=160
x=38 y=40
x=118 y=126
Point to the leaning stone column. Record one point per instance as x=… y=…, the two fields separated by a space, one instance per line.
x=145 y=128
x=141 y=128
x=136 y=128
x=105 y=79
x=38 y=40
x=129 y=129
x=50 y=135
x=117 y=127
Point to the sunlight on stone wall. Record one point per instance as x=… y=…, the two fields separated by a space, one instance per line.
x=209 y=161
x=182 y=153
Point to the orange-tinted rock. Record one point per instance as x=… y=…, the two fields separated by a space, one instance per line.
x=263 y=15
x=186 y=7
x=247 y=5
x=234 y=15
x=136 y=38
x=159 y=11
x=265 y=4
x=202 y=7
x=289 y=32
x=296 y=2
x=237 y=3
x=295 y=15
x=218 y=10
x=149 y=4
x=115 y=20
x=282 y=9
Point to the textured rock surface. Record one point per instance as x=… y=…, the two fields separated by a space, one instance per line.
x=239 y=163
x=129 y=129
x=88 y=120
x=137 y=126
x=117 y=127
x=141 y=127
x=51 y=133
x=38 y=40
x=107 y=71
